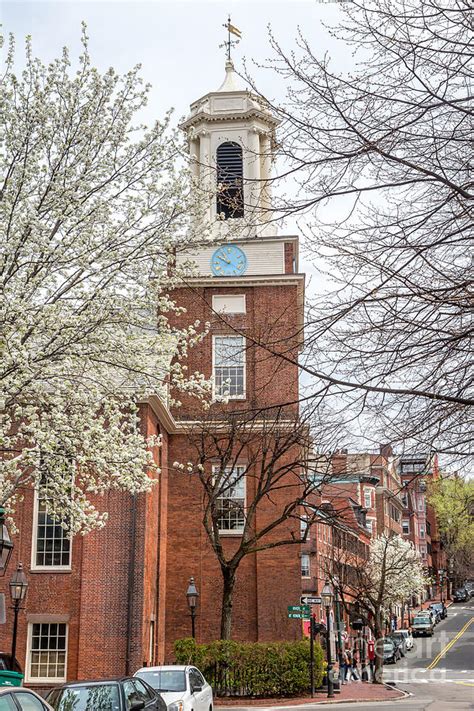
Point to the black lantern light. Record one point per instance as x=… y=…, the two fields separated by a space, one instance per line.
x=192 y=598
x=327 y=596
x=18 y=590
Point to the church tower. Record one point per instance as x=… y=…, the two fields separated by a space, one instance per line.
x=246 y=286
x=231 y=136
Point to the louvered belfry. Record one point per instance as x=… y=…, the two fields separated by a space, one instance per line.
x=230 y=192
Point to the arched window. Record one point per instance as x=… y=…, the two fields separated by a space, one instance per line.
x=230 y=191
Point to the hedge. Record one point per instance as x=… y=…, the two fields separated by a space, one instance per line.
x=253 y=668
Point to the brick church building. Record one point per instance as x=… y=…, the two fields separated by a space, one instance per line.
x=115 y=600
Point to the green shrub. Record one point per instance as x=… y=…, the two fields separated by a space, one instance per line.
x=253 y=668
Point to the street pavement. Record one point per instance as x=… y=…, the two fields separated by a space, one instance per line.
x=438 y=674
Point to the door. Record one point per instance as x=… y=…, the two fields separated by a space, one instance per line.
x=201 y=699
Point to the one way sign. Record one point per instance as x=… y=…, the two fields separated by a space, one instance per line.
x=308 y=600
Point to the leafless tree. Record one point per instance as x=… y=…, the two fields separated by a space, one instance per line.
x=380 y=158
x=253 y=463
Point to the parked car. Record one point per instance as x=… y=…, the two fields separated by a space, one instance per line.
x=423 y=625
x=6 y=663
x=440 y=608
x=391 y=653
x=469 y=586
x=460 y=595
x=183 y=688
x=16 y=698
x=399 y=642
x=407 y=636
x=432 y=614
x=125 y=694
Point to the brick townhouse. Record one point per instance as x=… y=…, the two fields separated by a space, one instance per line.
x=419 y=521
x=114 y=600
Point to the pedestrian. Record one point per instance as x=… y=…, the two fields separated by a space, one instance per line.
x=351 y=673
x=355 y=663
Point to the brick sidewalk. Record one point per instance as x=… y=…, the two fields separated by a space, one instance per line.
x=355 y=691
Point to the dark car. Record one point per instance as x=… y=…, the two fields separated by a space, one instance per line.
x=460 y=595
x=391 y=652
x=469 y=587
x=440 y=608
x=124 y=694
x=6 y=663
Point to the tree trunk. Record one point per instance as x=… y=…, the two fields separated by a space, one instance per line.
x=378 y=633
x=228 y=577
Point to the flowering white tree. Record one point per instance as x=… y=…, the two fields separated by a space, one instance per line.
x=392 y=573
x=92 y=209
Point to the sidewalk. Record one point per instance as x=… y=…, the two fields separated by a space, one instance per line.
x=354 y=692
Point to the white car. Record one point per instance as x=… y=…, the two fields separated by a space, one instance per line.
x=16 y=698
x=406 y=635
x=183 y=688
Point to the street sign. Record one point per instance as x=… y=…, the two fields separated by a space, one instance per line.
x=299 y=608
x=298 y=615
x=309 y=600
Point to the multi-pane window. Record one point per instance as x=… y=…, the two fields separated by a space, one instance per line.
x=406 y=527
x=367 y=500
x=422 y=530
x=369 y=525
x=229 y=366
x=303 y=526
x=231 y=499
x=48 y=651
x=405 y=500
x=305 y=566
x=52 y=546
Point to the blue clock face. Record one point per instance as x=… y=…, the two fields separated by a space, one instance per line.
x=228 y=260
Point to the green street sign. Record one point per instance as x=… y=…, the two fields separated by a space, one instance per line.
x=299 y=608
x=298 y=615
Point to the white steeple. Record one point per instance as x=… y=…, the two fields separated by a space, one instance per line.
x=224 y=127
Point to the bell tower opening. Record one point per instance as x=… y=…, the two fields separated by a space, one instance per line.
x=230 y=173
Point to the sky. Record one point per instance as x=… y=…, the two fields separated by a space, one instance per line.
x=176 y=42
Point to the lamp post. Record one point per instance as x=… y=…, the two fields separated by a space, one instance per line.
x=192 y=598
x=18 y=589
x=6 y=545
x=327 y=596
x=338 y=628
x=441 y=584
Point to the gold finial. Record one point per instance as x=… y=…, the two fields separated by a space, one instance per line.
x=231 y=30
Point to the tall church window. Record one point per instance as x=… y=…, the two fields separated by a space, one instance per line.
x=231 y=499
x=230 y=191
x=51 y=543
x=229 y=366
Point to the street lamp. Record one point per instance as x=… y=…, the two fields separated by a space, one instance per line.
x=327 y=596
x=18 y=589
x=6 y=545
x=192 y=597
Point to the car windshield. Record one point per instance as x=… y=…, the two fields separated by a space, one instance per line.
x=97 y=697
x=436 y=606
x=400 y=633
x=421 y=620
x=165 y=679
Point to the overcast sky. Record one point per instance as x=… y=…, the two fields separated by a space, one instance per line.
x=176 y=42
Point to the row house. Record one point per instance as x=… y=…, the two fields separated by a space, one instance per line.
x=419 y=521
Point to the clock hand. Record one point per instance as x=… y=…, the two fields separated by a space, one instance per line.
x=224 y=259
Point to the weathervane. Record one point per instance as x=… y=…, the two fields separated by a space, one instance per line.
x=231 y=30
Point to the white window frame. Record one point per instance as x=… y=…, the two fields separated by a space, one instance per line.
x=422 y=528
x=367 y=495
x=306 y=557
x=369 y=524
x=243 y=479
x=29 y=644
x=243 y=395
x=34 y=545
x=241 y=310
x=407 y=522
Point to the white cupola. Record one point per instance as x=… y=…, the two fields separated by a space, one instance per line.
x=231 y=137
